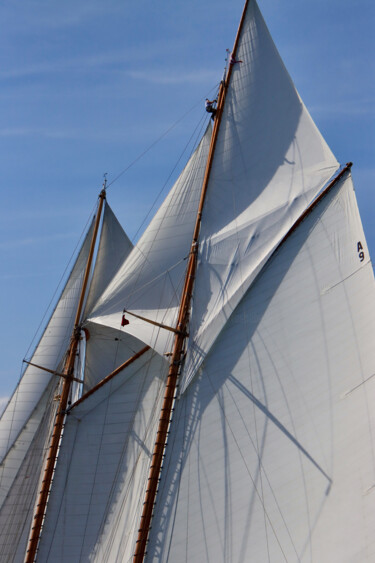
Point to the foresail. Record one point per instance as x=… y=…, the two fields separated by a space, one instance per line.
x=150 y=281
x=49 y=352
x=271 y=455
x=114 y=247
x=270 y=162
x=101 y=475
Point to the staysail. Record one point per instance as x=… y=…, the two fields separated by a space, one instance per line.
x=150 y=281
x=100 y=479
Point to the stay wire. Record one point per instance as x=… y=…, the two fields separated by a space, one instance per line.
x=157 y=140
x=62 y=277
x=169 y=177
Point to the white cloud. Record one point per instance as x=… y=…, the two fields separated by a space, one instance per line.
x=357 y=108
x=168 y=76
x=34 y=240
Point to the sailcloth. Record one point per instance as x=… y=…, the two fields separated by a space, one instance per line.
x=106 y=348
x=101 y=475
x=270 y=162
x=270 y=451
x=22 y=488
x=114 y=247
x=150 y=281
x=271 y=455
x=26 y=408
x=27 y=419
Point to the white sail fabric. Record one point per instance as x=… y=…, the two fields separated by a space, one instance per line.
x=271 y=453
x=106 y=349
x=98 y=489
x=14 y=459
x=150 y=281
x=270 y=162
x=114 y=247
x=49 y=352
x=17 y=509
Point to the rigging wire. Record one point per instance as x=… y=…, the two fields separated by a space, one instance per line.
x=62 y=277
x=200 y=126
x=157 y=140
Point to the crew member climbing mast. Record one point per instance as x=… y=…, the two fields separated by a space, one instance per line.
x=210 y=107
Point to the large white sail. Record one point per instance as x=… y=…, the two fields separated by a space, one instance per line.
x=49 y=352
x=24 y=420
x=150 y=281
x=99 y=484
x=270 y=161
x=271 y=452
x=27 y=407
x=17 y=506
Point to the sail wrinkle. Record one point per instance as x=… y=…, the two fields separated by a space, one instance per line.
x=269 y=164
x=106 y=349
x=150 y=281
x=268 y=456
x=100 y=479
x=270 y=452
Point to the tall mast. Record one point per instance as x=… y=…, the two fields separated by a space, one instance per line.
x=181 y=327
x=68 y=372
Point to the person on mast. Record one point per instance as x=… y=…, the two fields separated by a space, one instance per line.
x=232 y=58
x=210 y=107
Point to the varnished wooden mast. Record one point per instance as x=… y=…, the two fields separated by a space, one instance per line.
x=61 y=412
x=181 y=327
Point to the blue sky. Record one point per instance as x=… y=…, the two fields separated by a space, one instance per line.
x=87 y=86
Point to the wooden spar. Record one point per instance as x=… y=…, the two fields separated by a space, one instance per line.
x=54 y=372
x=160 y=325
x=68 y=370
x=181 y=327
x=312 y=205
x=111 y=375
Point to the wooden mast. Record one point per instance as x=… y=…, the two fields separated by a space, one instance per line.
x=61 y=412
x=181 y=329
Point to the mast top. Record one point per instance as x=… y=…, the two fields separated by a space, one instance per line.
x=103 y=192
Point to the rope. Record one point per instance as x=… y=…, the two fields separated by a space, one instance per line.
x=169 y=176
x=63 y=276
x=157 y=140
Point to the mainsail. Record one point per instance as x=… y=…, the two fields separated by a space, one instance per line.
x=270 y=449
x=270 y=455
